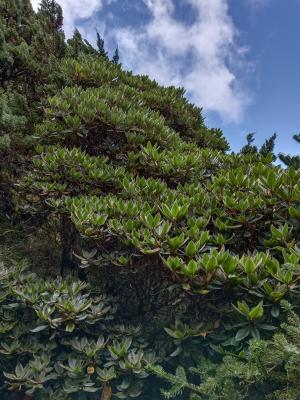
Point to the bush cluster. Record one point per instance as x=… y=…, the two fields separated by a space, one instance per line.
x=178 y=259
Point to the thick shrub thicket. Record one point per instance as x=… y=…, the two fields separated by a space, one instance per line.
x=141 y=193
x=172 y=251
x=154 y=202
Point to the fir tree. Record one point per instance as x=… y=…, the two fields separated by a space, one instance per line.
x=30 y=44
x=101 y=46
x=16 y=30
x=289 y=160
x=53 y=11
x=249 y=148
x=116 y=57
x=77 y=45
x=268 y=147
x=51 y=17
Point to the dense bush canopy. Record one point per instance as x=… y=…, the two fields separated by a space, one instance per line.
x=167 y=252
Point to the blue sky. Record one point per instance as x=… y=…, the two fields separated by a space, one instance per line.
x=238 y=59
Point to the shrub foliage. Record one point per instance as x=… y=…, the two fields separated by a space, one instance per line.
x=174 y=252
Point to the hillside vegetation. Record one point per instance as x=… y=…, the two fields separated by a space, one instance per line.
x=139 y=258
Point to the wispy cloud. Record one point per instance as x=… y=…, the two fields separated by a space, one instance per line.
x=203 y=56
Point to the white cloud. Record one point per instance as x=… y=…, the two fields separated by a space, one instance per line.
x=202 y=56
x=195 y=56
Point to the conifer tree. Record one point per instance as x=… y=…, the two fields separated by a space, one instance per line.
x=16 y=30
x=289 y=160
x=249 y=148
x=53 y=11
x=30 y=44
x=17 y=66
x=50 y=15
x=101 y=46
x=268 y=147
x=77 y=45
x=116 y=57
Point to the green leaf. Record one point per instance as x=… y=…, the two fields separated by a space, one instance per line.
x=294 y=213
x=267 y=327
x=190 y=249
x=191 y=268
x=257 y=311
x=176 y=352
x=275 y=311
x=174 y=334
x=255 y=332
x=90 y=389
x=70 y=327
x=242 y=334
x=243 y=307
x=39 y=328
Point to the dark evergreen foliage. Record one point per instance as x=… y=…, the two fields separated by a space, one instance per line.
x=291 y=161
x=30 y=47
x=268 y=147
x=50 y=14
x=268 y=370
x=16 y=30
x=101 y=47
x=249 y=148
x=116 y=57
x=53 y=12
x=78 y=46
